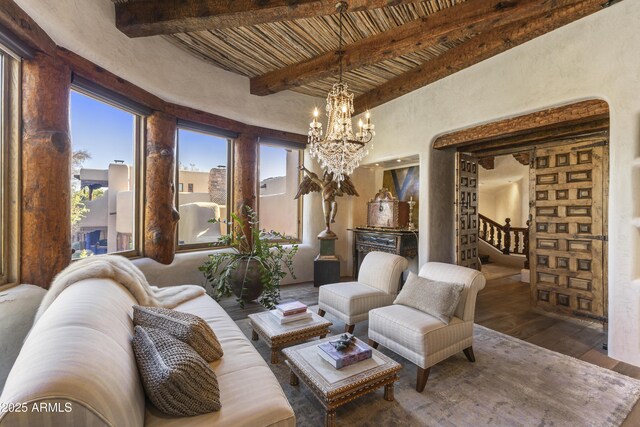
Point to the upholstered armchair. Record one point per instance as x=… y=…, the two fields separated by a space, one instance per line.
x=421 y=338
x=377 y=286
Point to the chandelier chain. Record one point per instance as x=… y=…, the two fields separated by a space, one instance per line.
x=340 y=150
x=340 y=51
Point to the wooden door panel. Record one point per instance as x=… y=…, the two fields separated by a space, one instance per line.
x=568 y=243
x=467 y=211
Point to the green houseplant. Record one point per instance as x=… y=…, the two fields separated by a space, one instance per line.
x=255 y=265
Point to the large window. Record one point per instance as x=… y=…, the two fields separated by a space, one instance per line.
x=9 y=164
x=104 y=178
x=279 y=179
x=203 y=189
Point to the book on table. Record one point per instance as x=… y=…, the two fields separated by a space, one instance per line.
x=291 y=308
x=291 y=318
x=357 y=352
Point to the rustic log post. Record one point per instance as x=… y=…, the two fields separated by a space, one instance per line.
x=506 y=228
x=245 y=177
x=526 y=245
x=161 y=216
x=46 y=170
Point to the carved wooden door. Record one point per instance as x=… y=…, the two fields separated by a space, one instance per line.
x=568 y=244
x=467 y=211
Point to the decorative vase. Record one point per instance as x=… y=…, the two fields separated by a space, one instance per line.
x=245 y=280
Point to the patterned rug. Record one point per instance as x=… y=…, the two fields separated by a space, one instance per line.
x=513 y=383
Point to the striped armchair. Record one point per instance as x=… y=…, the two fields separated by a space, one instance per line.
x=420 y=337
x=377 y=286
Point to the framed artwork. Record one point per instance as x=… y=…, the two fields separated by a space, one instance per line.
x=403 y=184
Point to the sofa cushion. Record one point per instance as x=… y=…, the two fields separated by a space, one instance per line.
x=186 y=327
x=79 y=353
x=438 y=299
x=249 y=392
x=353 y=298
x=176 y=378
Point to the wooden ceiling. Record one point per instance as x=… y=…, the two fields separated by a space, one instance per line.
x=392 y=47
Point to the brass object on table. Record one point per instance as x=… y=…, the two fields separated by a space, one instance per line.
x=385 y=211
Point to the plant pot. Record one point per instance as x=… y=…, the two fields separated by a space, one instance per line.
x=247 y=272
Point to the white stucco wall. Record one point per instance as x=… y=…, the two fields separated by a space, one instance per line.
x=595 y=57
x=504 y=202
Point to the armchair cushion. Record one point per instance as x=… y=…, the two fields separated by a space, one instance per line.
x=473 y=280
x=352 y=299
x=436 y=298
x=418 y=336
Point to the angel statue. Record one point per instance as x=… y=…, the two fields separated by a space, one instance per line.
x=330 y=190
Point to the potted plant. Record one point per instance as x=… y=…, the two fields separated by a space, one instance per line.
x=254 y=267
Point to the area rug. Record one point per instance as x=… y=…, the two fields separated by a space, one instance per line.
x=513 y=383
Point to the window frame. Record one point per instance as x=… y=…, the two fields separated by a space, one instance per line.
x=103 y=95
x=291 y=146
x=10 y=159
x=218 y=133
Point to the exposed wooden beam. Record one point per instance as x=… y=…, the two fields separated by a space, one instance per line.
x=487 y=162
x=19 y=24
x=509 y=144
x=475 y=50
x=156 y=17
x=456 y=22
x=568 y=120
x=523 y=158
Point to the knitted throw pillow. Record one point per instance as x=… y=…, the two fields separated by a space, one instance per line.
x=188 y=328
x=438 y=299
x=176 y=379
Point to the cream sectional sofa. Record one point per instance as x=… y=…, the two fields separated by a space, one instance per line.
x=77 y=368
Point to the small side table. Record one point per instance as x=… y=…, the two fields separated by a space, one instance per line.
x=277 y=336
x=335 y=387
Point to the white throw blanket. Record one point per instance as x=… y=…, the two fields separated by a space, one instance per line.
x=123 y=271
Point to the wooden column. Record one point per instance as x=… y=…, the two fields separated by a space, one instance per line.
x=46 y=169
x=161 y=216
x=245 y=175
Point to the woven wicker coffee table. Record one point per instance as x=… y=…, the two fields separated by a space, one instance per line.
x=278 y=336
x=334 y=387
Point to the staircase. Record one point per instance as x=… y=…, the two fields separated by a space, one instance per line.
x=505 y=238
x=485 y=259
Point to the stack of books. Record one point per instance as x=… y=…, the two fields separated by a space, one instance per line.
x=339 y=359
x=291 y=312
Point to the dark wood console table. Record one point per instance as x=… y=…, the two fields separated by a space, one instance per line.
x=399 y=242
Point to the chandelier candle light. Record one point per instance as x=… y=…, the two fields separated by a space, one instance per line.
x=340 y=152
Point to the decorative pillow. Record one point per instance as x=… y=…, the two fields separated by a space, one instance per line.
x=438 y=299
x=186 y=327
x=177 y=380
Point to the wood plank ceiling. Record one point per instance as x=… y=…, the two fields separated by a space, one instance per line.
x=272 y=54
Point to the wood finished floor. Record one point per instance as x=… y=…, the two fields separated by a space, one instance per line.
x=504 y=306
